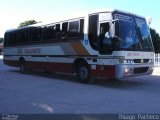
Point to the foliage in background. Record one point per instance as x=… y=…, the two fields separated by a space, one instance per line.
x=156 y=40
x=26 y=23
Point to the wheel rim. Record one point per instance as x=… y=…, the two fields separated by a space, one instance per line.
x=83 y=73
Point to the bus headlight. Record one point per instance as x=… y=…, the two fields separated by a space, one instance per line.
x=128 y=71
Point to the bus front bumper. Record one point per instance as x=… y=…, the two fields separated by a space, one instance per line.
x=128 y=70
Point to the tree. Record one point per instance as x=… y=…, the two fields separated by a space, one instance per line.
x=26 y=23
x=156 y=40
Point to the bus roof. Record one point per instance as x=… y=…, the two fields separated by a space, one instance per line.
x=113 y=10
x=21 y=29
x=78 y=15
x=82 y=14
x=56 y=21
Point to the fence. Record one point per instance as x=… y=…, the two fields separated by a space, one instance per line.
x=157 y=59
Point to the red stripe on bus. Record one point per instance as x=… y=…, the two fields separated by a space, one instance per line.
x=49 y=66
x=107 y=71
x=12 y=63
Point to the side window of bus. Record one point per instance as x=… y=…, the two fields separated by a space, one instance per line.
x=76 y=29
x=64 y=31
x=18 y=38
x=45 y=33
x=36 y=34
x=12 y=39
x=51 y=32
x=6 y=39
x=81 y=35
x=57 y=31
x=21 y=38
x=73 y=29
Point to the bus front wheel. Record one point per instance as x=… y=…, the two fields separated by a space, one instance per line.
x=83 y=74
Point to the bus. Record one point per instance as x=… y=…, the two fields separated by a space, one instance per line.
x=94 y=45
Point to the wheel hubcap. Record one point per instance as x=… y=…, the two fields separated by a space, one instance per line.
x=83 y=73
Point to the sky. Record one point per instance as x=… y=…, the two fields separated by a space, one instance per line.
x=13 y=12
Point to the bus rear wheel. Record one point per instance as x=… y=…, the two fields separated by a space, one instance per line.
x=83 y=74
x=23 y=67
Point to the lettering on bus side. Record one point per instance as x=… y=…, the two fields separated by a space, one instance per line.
x=29 y=51
x=32 y=51
x=133 y=54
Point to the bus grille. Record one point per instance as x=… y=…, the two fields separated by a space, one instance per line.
x=141 y=60
x=140 y=70
x=145 y=60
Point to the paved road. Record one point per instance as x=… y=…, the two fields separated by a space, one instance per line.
x=49 y=93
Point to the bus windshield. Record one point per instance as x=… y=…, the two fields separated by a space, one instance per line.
x=134 y=33
x=143 y=30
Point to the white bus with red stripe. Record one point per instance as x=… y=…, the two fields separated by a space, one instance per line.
x=76 y=46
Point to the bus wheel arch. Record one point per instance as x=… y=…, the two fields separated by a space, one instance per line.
x=82 y=70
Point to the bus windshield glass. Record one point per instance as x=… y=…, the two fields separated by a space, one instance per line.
x=143 y=30
x=133 y=33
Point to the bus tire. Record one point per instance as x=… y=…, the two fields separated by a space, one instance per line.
x=23 y=67
x=83 y=73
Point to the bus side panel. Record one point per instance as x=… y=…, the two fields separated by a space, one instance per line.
x=13 y=63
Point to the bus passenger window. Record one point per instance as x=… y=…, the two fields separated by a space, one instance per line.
x=12 y=40
x=57 y=31
x=6 y=39
x=64 y=31
x=73 y=29
x=21 y=38
x=44 y=33
x=36 y=34
x=81 y=34
x=18 y=38
x=51 y=32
